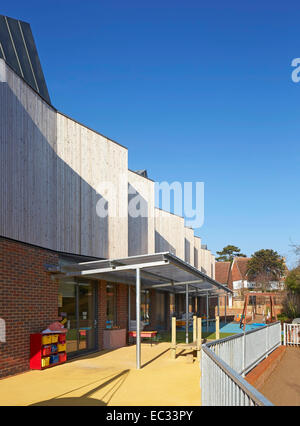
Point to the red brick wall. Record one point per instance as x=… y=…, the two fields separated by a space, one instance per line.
x=28 y=300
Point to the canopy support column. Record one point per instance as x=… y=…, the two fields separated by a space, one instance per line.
x=207 y=311
x=138 y=319
x=225 y=306
x=187 y=313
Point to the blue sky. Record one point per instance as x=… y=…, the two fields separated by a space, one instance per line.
x=197 y=91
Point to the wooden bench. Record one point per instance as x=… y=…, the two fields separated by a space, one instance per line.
x=144 y=334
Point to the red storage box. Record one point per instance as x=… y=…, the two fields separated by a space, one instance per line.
x=46 y=350
x=62 y=357
x=62 y=338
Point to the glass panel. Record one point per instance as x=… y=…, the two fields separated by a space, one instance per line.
x=7 y=46
x=21 y=52
x=34 y=59
x=145 y=303
x=111 y=305
x=86 y=330
x=160 y=310
x=67 y=312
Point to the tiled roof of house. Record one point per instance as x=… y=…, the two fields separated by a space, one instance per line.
x=222 y=272
x=239 y=270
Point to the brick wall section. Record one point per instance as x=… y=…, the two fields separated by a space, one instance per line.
x=28 y=300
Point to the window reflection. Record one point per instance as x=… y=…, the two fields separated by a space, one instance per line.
x=111 y=305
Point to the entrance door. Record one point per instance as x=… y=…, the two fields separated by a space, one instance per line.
x=77 y=307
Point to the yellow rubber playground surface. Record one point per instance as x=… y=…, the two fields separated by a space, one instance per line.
x=110 y=378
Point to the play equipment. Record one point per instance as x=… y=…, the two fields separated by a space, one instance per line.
x=271 y=315
x=197 y=337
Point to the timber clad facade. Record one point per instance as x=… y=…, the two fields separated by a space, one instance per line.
x=53 y=172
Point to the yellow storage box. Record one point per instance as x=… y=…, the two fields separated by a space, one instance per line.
x=45 y=361
x=61 y=347
x=54 y=338
x=46 y=339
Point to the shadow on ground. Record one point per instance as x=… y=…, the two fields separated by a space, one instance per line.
x=85 y=400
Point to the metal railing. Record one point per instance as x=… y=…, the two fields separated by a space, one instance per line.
x=224 y=361
x=291 y=334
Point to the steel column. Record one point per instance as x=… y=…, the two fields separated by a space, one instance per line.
x=186 y=313
x=206 y=311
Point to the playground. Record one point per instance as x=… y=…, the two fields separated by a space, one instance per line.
x=110 y=378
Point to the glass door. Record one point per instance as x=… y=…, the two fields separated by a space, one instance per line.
x=77 y=310
x=86 y=316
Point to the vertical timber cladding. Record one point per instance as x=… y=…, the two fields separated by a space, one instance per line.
x=141 y=200
x=50 y=171
x=99 y=177
x=169 y=233
x=28 y=163
x=189 y=245
x=197 y=252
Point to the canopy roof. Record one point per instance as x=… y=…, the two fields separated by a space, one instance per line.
x=163 y=271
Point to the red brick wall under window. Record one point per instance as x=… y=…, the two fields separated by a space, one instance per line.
x=28 y=300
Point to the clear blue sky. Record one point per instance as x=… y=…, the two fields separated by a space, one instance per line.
x=197 y=91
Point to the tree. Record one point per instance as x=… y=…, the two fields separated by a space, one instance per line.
x=264 y=266
x=292 y=280
x=229 y=253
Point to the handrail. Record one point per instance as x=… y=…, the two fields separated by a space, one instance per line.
x=221 y=383
x=256 y=397
x=236 y=336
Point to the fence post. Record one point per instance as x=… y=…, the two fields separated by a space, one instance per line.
x=199 y=338
x=243 y=353
x=217 y=327
x=194 y=328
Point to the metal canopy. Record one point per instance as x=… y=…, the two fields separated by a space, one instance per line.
x=163 y=271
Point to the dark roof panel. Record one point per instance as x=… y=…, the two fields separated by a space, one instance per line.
x=19 y=51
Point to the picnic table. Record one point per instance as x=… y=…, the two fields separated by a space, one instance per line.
x=144 y=334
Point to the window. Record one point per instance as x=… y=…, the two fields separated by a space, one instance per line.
x=111 y=305
x=145 y=303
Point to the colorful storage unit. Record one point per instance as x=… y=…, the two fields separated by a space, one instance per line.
x=47 y=350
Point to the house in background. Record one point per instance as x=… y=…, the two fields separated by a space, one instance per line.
x=234 y=276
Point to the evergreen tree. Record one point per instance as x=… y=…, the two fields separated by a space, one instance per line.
x=229 y=253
